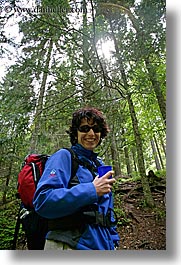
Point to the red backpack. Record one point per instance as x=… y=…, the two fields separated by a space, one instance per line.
x=29 y=176
x=34 y=225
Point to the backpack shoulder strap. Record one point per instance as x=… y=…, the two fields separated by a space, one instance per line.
x=16 y=231
x=36 y=173
x=75 y=162
x=97 y=162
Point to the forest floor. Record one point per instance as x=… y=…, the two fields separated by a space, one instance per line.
x=142 y=227
x=139 y=227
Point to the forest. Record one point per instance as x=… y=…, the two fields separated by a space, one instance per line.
x=60 y=55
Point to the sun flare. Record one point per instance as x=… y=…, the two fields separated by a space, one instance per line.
x=106 y=48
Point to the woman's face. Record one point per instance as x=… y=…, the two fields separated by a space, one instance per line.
x=89 y=138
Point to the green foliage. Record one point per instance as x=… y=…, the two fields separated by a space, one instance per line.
x=8 y=218
x=161 y=173
x=160 y=214
x=143 y=204
x=122 y=219
x=135 y=176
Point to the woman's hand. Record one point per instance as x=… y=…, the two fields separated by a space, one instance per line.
x=104 y=184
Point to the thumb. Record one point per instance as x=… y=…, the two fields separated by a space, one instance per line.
x=108 y=174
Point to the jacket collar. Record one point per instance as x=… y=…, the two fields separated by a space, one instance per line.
x=82 y=152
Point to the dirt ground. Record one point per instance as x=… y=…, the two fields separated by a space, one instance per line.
x=142 y=227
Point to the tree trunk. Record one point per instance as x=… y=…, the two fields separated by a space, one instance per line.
x=139 y=147
x=157 y=163
x=85 y=45
x=158 y=151
x=39 y=107
x=157 y=88
x=115 y=157
x=138 y=140
x=134 y=158
x=127 y=160
x=162 y=143
x=8 y=176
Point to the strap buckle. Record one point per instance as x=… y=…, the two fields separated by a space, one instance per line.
x=23 y=213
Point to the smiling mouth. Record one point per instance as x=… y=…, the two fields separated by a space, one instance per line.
x=90 y=140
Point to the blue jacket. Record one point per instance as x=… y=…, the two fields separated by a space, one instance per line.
x=53 y=199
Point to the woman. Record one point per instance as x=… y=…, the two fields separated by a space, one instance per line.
x=81 y=210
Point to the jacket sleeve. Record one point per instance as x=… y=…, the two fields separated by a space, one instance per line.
x=52 y=198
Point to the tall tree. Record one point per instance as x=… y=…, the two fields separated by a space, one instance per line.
x=39 y=107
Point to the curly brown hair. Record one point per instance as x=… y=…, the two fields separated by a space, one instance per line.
x=88 y=113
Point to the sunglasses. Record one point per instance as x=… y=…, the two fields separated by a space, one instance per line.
x=87 y=128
